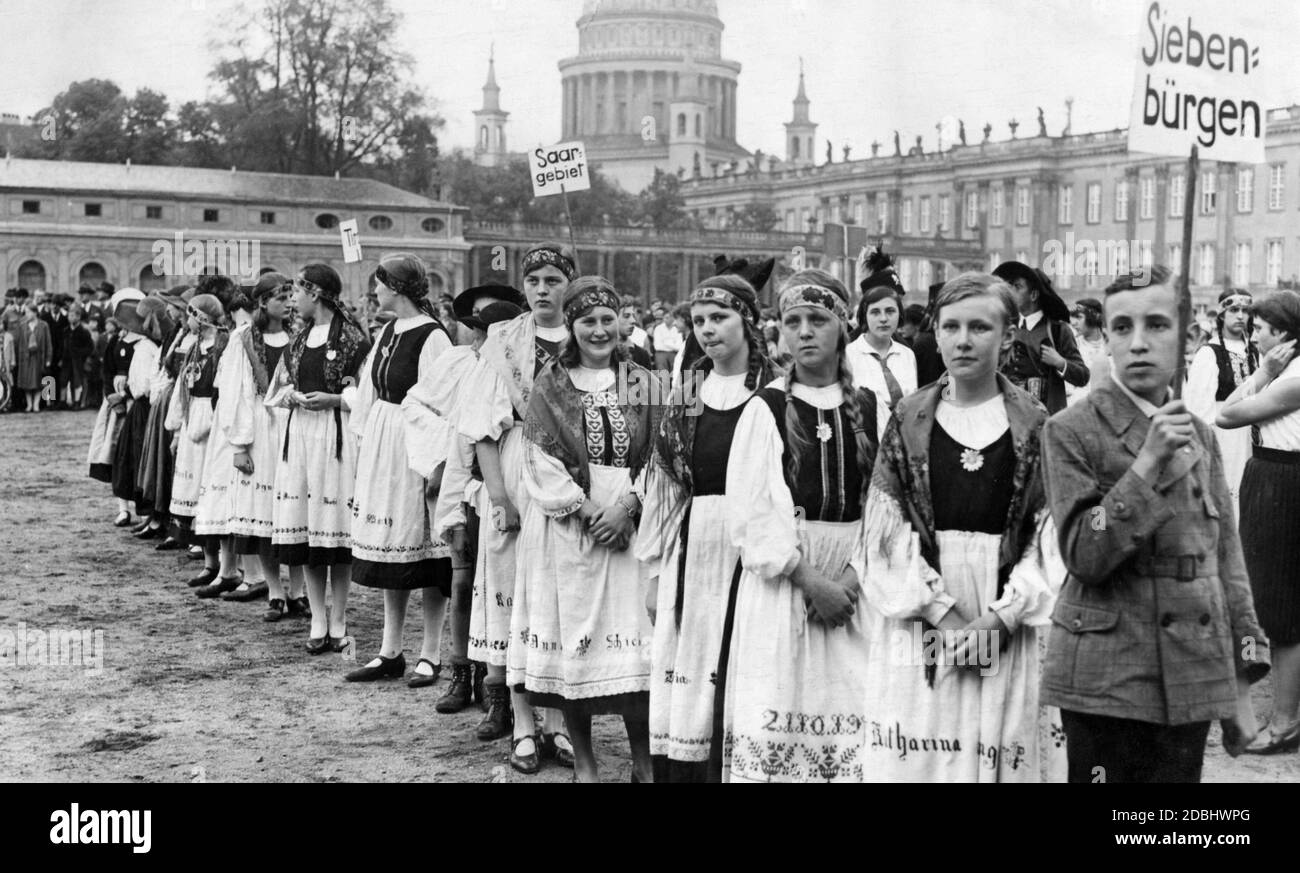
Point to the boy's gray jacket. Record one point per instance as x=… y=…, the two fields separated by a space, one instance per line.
x=1156 y=616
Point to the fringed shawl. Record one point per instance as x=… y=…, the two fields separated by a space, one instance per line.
x=509 y=350
x=554 y=423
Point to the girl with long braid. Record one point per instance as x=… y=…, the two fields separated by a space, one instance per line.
x=497 y=396
x=393 y=545
x=799 y=465
x=683 y=533
x=189 y=417
x=253 y=432
x=959 y=574
x=316 y=473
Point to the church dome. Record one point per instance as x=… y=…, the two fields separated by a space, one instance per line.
x=602 y=8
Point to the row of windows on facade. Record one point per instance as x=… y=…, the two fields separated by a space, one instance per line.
x=1096 y=269
x=1207 y=198
x=325 y=221
x=612 y=36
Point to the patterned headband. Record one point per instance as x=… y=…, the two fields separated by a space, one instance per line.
x=723 y=297
x=543 y=257
x=813 y=295
x=1236 y=300
x=589 y=300
x=416 y=289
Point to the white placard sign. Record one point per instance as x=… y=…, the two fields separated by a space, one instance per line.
x=1202 y=79
x=351 y=241
x=560 y=168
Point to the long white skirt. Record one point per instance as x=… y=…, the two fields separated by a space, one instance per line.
x=494 y=572
x=390 y=515
x=685 y=660
x=191 y=452
x=313 y=487
x=252 y=499
x=795 y=697
x=977 y=724
x=579 y=626
x=212 y=515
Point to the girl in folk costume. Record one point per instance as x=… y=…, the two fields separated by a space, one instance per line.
x=879 y=361
x=163 y=321
x=393 y=548
x=129 y=447
x=683 y=533
x=581 y=635
x=108 y=422
x=252 y=431
x=314 y=478
x=960 y=570
x=800 y=461
x=1218 y=368
x=189 y=417
x=158 y=466
x=496 y=400
x=462 y=498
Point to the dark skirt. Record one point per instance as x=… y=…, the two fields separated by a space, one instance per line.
x=433 y=573
x=635 y=704
x=1270 y=539
x=157 y=463
x=302 y=554
x=127 y=455
x=252 y=545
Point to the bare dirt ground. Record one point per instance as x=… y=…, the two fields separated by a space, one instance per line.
x=196 y=690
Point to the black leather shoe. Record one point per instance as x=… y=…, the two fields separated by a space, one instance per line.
x=387 y=668
x=499 y=720
x=140 y=528
x=123 y=520
x=563 y=755
x=458 y=692
x=220 y=586
x=256 y=591
x=318 y=645
x=299 y=607
x=170 y=544
x=526 y=764
x=421 y=680
x=208 y=575
x=338 y=644
x=275 y=610
x=195 y=553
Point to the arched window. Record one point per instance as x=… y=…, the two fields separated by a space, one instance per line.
x=149 y=280
x=92 y=274
x=697 y=125
x=483 y=138
x=327 y=221
x=31 y=275
x=381 y=222
x=794 y=150
x=501 y=139
x=681 y=124
x=432 y=225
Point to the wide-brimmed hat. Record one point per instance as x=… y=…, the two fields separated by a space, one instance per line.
x=463 y=304
x=1048 y=300
x=124 y=305
x=501 y=310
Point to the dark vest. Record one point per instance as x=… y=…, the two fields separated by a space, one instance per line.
x=1227 y=376
x=396 y=366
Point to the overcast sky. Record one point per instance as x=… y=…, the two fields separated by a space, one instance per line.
x=871 y=66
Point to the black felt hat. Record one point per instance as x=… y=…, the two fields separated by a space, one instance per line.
x=501 y=310
x=463 y=305
x=1048 y=300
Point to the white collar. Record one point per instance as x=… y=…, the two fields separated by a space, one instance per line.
x=402 y=325
x=1146 y=407
x=1032 y=319
x=866 y=348
x=827 y=397
x=554 y=334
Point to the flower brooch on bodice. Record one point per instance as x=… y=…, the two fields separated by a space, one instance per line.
x=824 y=432
x=971 y=460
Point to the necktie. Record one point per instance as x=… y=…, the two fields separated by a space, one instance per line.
x=895 y=390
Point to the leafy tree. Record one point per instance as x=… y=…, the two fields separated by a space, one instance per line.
x=757 y=216
x=661 y=204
